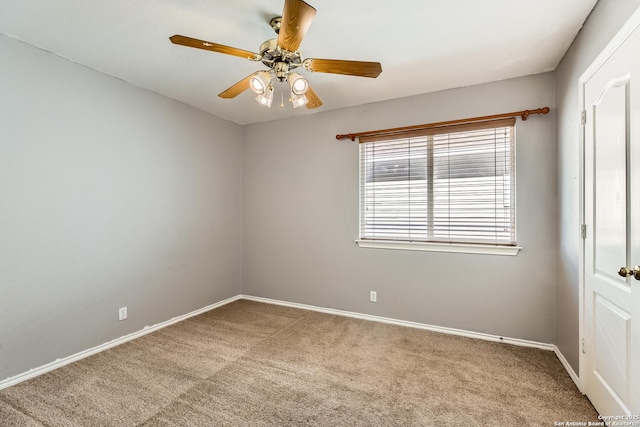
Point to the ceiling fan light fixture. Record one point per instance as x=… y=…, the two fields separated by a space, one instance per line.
x=299 y=85
x=266 y=98
x=298 y=100
x=260 y=82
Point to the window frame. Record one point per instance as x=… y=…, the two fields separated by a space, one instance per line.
x=436 y=245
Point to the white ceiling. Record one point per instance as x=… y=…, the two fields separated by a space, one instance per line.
x=423 y=45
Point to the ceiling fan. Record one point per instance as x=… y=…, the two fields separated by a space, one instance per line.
x=282 y=57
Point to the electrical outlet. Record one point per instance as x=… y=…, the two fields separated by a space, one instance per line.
x=373 y=296
x=122 y=313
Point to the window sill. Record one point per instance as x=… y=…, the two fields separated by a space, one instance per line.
x=463 y=248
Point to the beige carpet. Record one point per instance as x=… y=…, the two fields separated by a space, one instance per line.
x=253 y=364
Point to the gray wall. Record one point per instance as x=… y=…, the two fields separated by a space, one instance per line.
x=110 y=196
x=604 y=22
x=301 y=219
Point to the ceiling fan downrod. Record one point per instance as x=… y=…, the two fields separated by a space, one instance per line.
x=275 y=23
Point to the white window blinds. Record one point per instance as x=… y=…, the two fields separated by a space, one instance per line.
x=454 y=184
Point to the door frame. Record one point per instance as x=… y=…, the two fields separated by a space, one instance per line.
x=621 y=36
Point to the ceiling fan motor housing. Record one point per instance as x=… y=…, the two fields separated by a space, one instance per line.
x=270 y=53
x=279 y=60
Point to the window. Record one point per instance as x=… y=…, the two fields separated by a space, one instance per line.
x=453 y=184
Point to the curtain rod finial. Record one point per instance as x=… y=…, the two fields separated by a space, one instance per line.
x=526 y=113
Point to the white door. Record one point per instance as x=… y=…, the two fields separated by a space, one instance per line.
x=612 y=217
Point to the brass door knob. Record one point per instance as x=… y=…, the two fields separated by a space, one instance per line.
x=626 y=272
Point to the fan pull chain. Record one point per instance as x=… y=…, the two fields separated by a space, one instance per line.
x=282 y=99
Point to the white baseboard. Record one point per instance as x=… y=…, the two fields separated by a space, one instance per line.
x=568 y=368
x=148 y=329
x=451 y=331
x=102 y=347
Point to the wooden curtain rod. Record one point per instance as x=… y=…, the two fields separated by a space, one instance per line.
x=523 y=114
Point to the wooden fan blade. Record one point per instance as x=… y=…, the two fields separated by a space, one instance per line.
x=314 y=99
x=237 y=88
x=338 y=66
x=214 y=47
x=296 y=19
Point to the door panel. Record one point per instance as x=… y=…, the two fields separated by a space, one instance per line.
x=611 y=361
x=610 y=195
x=611 y=308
